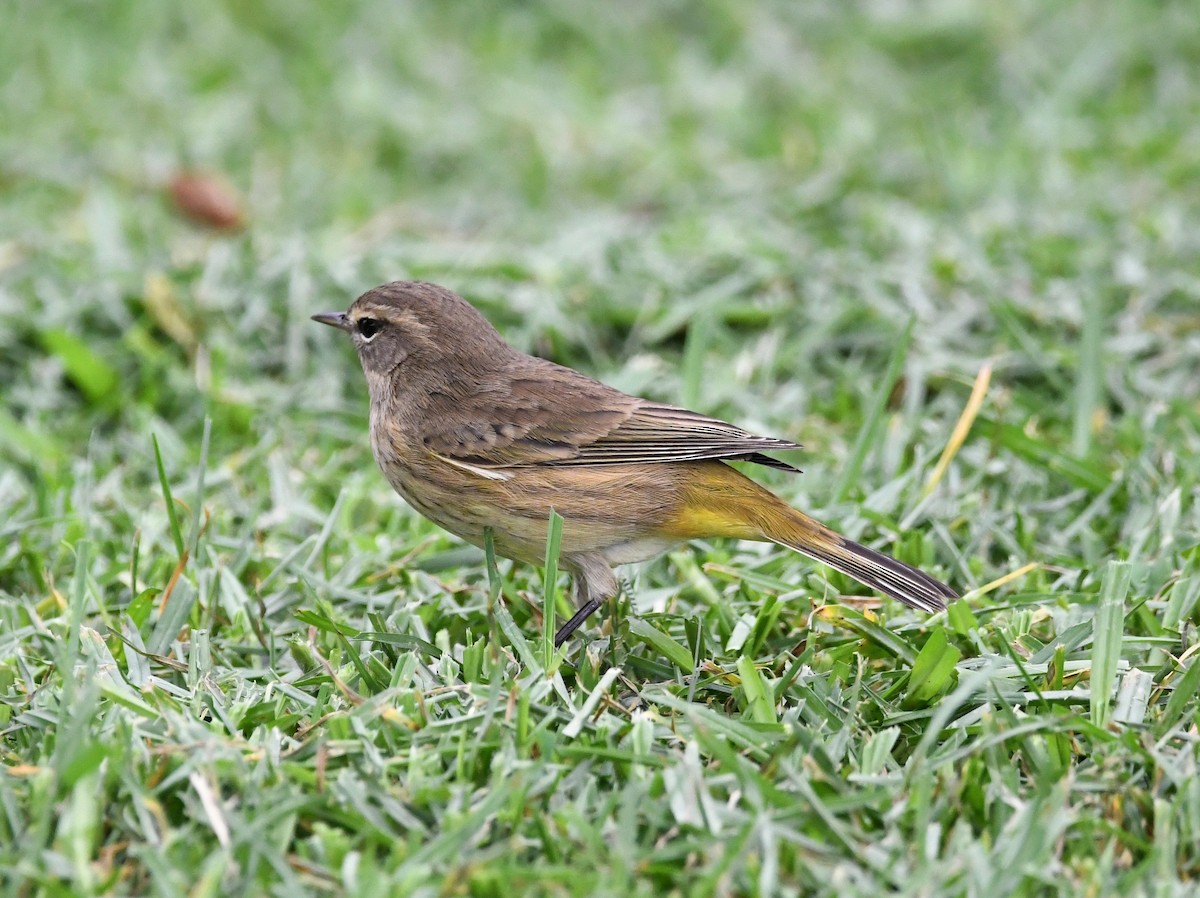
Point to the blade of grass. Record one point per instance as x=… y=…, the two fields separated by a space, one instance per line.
x=877 y=751
x=26 y=441
x=962 y=427
x=1183 y=695
x=1133 y=697
x=172 y=516
x=760 y=707
x=575 y=727
x=172 y=617
x=1106 y=644
x=664 y=644
x=201 y=469
x=1002 y=581
x=94 y=377
x=494 y=588
x=873 y=420
x=1090 y=476
x=852 y=619
x=550 y=589
x=699 y=336
x=516 y=638
x=1089 y=381
x=933 y=670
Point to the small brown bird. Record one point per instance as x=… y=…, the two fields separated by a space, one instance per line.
x=475 y=434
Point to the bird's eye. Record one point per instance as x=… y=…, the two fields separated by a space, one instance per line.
x=368 y=327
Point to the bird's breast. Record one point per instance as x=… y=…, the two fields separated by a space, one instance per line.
x=610 y=508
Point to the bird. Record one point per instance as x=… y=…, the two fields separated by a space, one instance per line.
x=476 y=435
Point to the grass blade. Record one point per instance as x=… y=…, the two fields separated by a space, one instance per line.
x=933 y=670
x=1089 y=381
x=1106 y=645
x=873 y=420
x=664 y=644
x=760 y=706
x=961 y=428
x=197 y=507
x=550 y=588
x=172 y=516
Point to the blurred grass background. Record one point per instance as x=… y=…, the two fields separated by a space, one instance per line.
x=242 y=666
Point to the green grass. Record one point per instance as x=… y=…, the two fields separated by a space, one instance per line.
x=233 y=662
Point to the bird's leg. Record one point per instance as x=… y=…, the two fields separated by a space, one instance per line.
x=594 y=583
x=576 y=621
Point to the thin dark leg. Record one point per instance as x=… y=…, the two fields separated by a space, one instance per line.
x=594 y=582
x=565 y=631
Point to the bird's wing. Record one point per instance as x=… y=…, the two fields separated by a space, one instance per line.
x=552 y=415
x=665 y=433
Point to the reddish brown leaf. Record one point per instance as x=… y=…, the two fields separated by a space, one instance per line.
x=208 y=199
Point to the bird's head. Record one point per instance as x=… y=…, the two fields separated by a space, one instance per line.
x=410 y=327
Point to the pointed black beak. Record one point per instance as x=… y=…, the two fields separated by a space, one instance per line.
x=333 y=319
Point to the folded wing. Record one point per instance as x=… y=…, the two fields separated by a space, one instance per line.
x=555 y=416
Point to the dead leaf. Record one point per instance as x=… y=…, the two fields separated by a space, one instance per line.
x=207 y=198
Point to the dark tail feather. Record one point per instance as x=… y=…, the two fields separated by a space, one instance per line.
x=878 y=571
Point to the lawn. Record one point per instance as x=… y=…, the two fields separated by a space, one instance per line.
x=949 y=247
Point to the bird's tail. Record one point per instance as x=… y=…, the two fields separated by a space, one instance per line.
x=882 y=572
x=796 y=530
x=726 y=503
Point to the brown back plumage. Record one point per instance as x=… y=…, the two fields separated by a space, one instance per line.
x=484 y=403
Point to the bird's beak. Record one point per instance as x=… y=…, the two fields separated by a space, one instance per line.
x=333 y=319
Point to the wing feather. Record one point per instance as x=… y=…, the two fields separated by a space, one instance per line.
x=549 y=415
